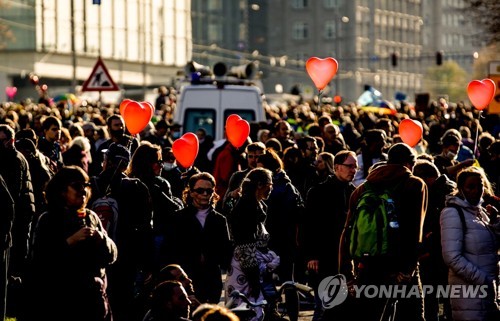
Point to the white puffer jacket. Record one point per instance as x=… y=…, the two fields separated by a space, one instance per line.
x=471 y=259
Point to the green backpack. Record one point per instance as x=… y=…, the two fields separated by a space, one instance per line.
x=375 y=225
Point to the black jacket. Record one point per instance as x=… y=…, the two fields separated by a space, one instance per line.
x=14 y=169
x=134 y=231
x=202 y=251
x=7 y=217
x=327 y=205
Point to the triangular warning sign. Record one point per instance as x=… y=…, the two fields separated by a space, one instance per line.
x=100 y=79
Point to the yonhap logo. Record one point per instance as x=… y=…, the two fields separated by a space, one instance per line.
x=333 y=291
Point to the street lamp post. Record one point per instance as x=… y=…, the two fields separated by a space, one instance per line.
x=338 y=25
x=73 y=50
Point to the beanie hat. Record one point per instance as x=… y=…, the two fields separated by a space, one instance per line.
x=117 y=152
x=401 y=154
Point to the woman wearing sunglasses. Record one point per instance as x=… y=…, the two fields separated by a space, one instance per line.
x=70 y=252
x=198 y=238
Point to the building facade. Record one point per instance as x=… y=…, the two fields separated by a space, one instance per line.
x=143 y=43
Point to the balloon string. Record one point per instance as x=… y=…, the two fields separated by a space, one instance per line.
x=319 y=98
x=477 y=134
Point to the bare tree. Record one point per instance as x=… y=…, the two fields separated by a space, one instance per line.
x=6 y=33
x=486 y=13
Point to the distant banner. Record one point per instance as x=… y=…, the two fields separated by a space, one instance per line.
x=494 y=106
x=494 y=74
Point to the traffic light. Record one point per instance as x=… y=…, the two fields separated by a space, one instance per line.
x=394 y=59
x=439 y=58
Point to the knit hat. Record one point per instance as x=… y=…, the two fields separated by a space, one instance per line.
x=117 y=152
x=401 y=154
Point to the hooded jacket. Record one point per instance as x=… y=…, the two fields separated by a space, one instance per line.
x=472 y=259
x=411 y=195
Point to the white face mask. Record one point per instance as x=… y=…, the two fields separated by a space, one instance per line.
x=451 y=155
x=479 y=202
x=168 y=166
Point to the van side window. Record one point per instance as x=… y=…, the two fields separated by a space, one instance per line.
x=199 y=118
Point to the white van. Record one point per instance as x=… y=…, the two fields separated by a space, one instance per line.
x=208 y=106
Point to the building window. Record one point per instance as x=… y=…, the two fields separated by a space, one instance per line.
x=300 y=30
x=391 y=21
x=214 y=32
x=214 y=5
x=330 y=4
x=330 y=29
x=302 y=56
x=300 y=4
x=383 y=20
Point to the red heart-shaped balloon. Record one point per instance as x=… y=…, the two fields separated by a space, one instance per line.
x=136 y=117
x=237 y=130
x=321 y=71
x=149 y=105
x=481 y=92
x=410 y=131
x=185 y=149
x=11 y=91
x=123 y=104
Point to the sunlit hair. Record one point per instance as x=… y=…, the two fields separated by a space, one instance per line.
x=220 y=314
x=166 y=273
x=255 y=147
x=58 y=185
x=49 y=121
x=141 y=165
x=327 y=159
x=162 y=294
x=271 y=161
x=203 y=309
x=425 y=169
x=113 y=117
x=256 y=177
x=342 y=155
x=474 y=171
x=203 y=176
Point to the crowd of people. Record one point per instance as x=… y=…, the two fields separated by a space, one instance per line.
x=279 y=208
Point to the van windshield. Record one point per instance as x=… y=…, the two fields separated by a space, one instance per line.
x=196 y=118
x=248 y=115
x=199 y=118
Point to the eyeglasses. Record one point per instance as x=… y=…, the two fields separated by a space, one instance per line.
x=351 y=166
x=78 y=186
x=202 y=191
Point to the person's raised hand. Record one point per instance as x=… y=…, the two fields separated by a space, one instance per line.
x=80 y=235
x=312 y=265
